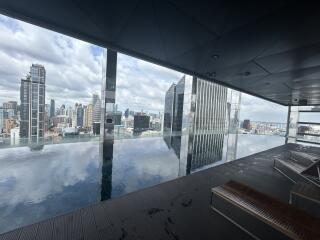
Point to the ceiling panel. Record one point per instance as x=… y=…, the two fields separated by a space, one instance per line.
x=270 y=49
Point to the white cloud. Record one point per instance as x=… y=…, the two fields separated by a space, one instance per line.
x=257 y=109
x=73 y=71
x=33 y=176
x=142 y=85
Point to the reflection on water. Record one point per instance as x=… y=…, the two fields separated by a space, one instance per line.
x=40 y=183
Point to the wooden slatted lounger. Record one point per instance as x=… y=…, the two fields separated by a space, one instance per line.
x=262 y=216
x=307 y=197
x=299 y=167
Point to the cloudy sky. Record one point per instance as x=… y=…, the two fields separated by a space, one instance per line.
x=74 y=72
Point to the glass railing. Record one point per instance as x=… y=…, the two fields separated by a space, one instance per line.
x=7 y=142
x=265 y=128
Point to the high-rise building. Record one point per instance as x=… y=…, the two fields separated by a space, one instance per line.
x=195 y=112
x=89 y=117
x=74 y=116
x=2 y=118
x=85 y=115
x=52 y=108
x=69 y=112
x=11 y=108
x=79 y=114
x=126 y=113
x=87 y=121
x=95 y=98
x=62 y=110
x=46 y=117
x=32 y=97
x=96 y=113
x=178 y=108
x=169 y=110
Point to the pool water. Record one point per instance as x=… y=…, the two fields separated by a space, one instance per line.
x=55 y=179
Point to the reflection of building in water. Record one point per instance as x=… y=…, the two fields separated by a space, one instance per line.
x=206 y=148
x=106 y=151
x=36 y=147
x=233 y=121
x=195 y=115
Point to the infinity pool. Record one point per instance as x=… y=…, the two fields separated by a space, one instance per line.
x=58 y=178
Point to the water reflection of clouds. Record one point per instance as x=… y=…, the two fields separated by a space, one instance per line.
x=36 y=185
x=30 y=176
x=141 y=163
x=250 y=144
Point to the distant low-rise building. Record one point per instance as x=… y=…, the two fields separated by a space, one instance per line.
x=9 y=125
x=246 y=124
x=61 y=119
x=70 y=131
x=96 y=128
x=114 y=117
x=141 y=122
x=304 y=129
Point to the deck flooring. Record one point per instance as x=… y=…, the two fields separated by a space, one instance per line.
x=178 y=209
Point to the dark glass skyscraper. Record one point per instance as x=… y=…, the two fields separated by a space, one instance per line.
x=80 y=115
x=52 y=108
x=95 y=98
x=32 y=96
x=169 y=105
x=196 y=115
x=141 y=122
x=126 y=113
x=96 y=113
x=178 y=108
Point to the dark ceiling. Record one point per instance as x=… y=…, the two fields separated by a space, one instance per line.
x=269 y=48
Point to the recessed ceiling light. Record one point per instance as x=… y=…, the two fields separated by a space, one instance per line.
x=215 y=56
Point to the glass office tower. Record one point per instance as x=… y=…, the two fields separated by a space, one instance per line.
x=195 y=114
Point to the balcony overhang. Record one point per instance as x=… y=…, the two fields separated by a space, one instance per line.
x=269 y=49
